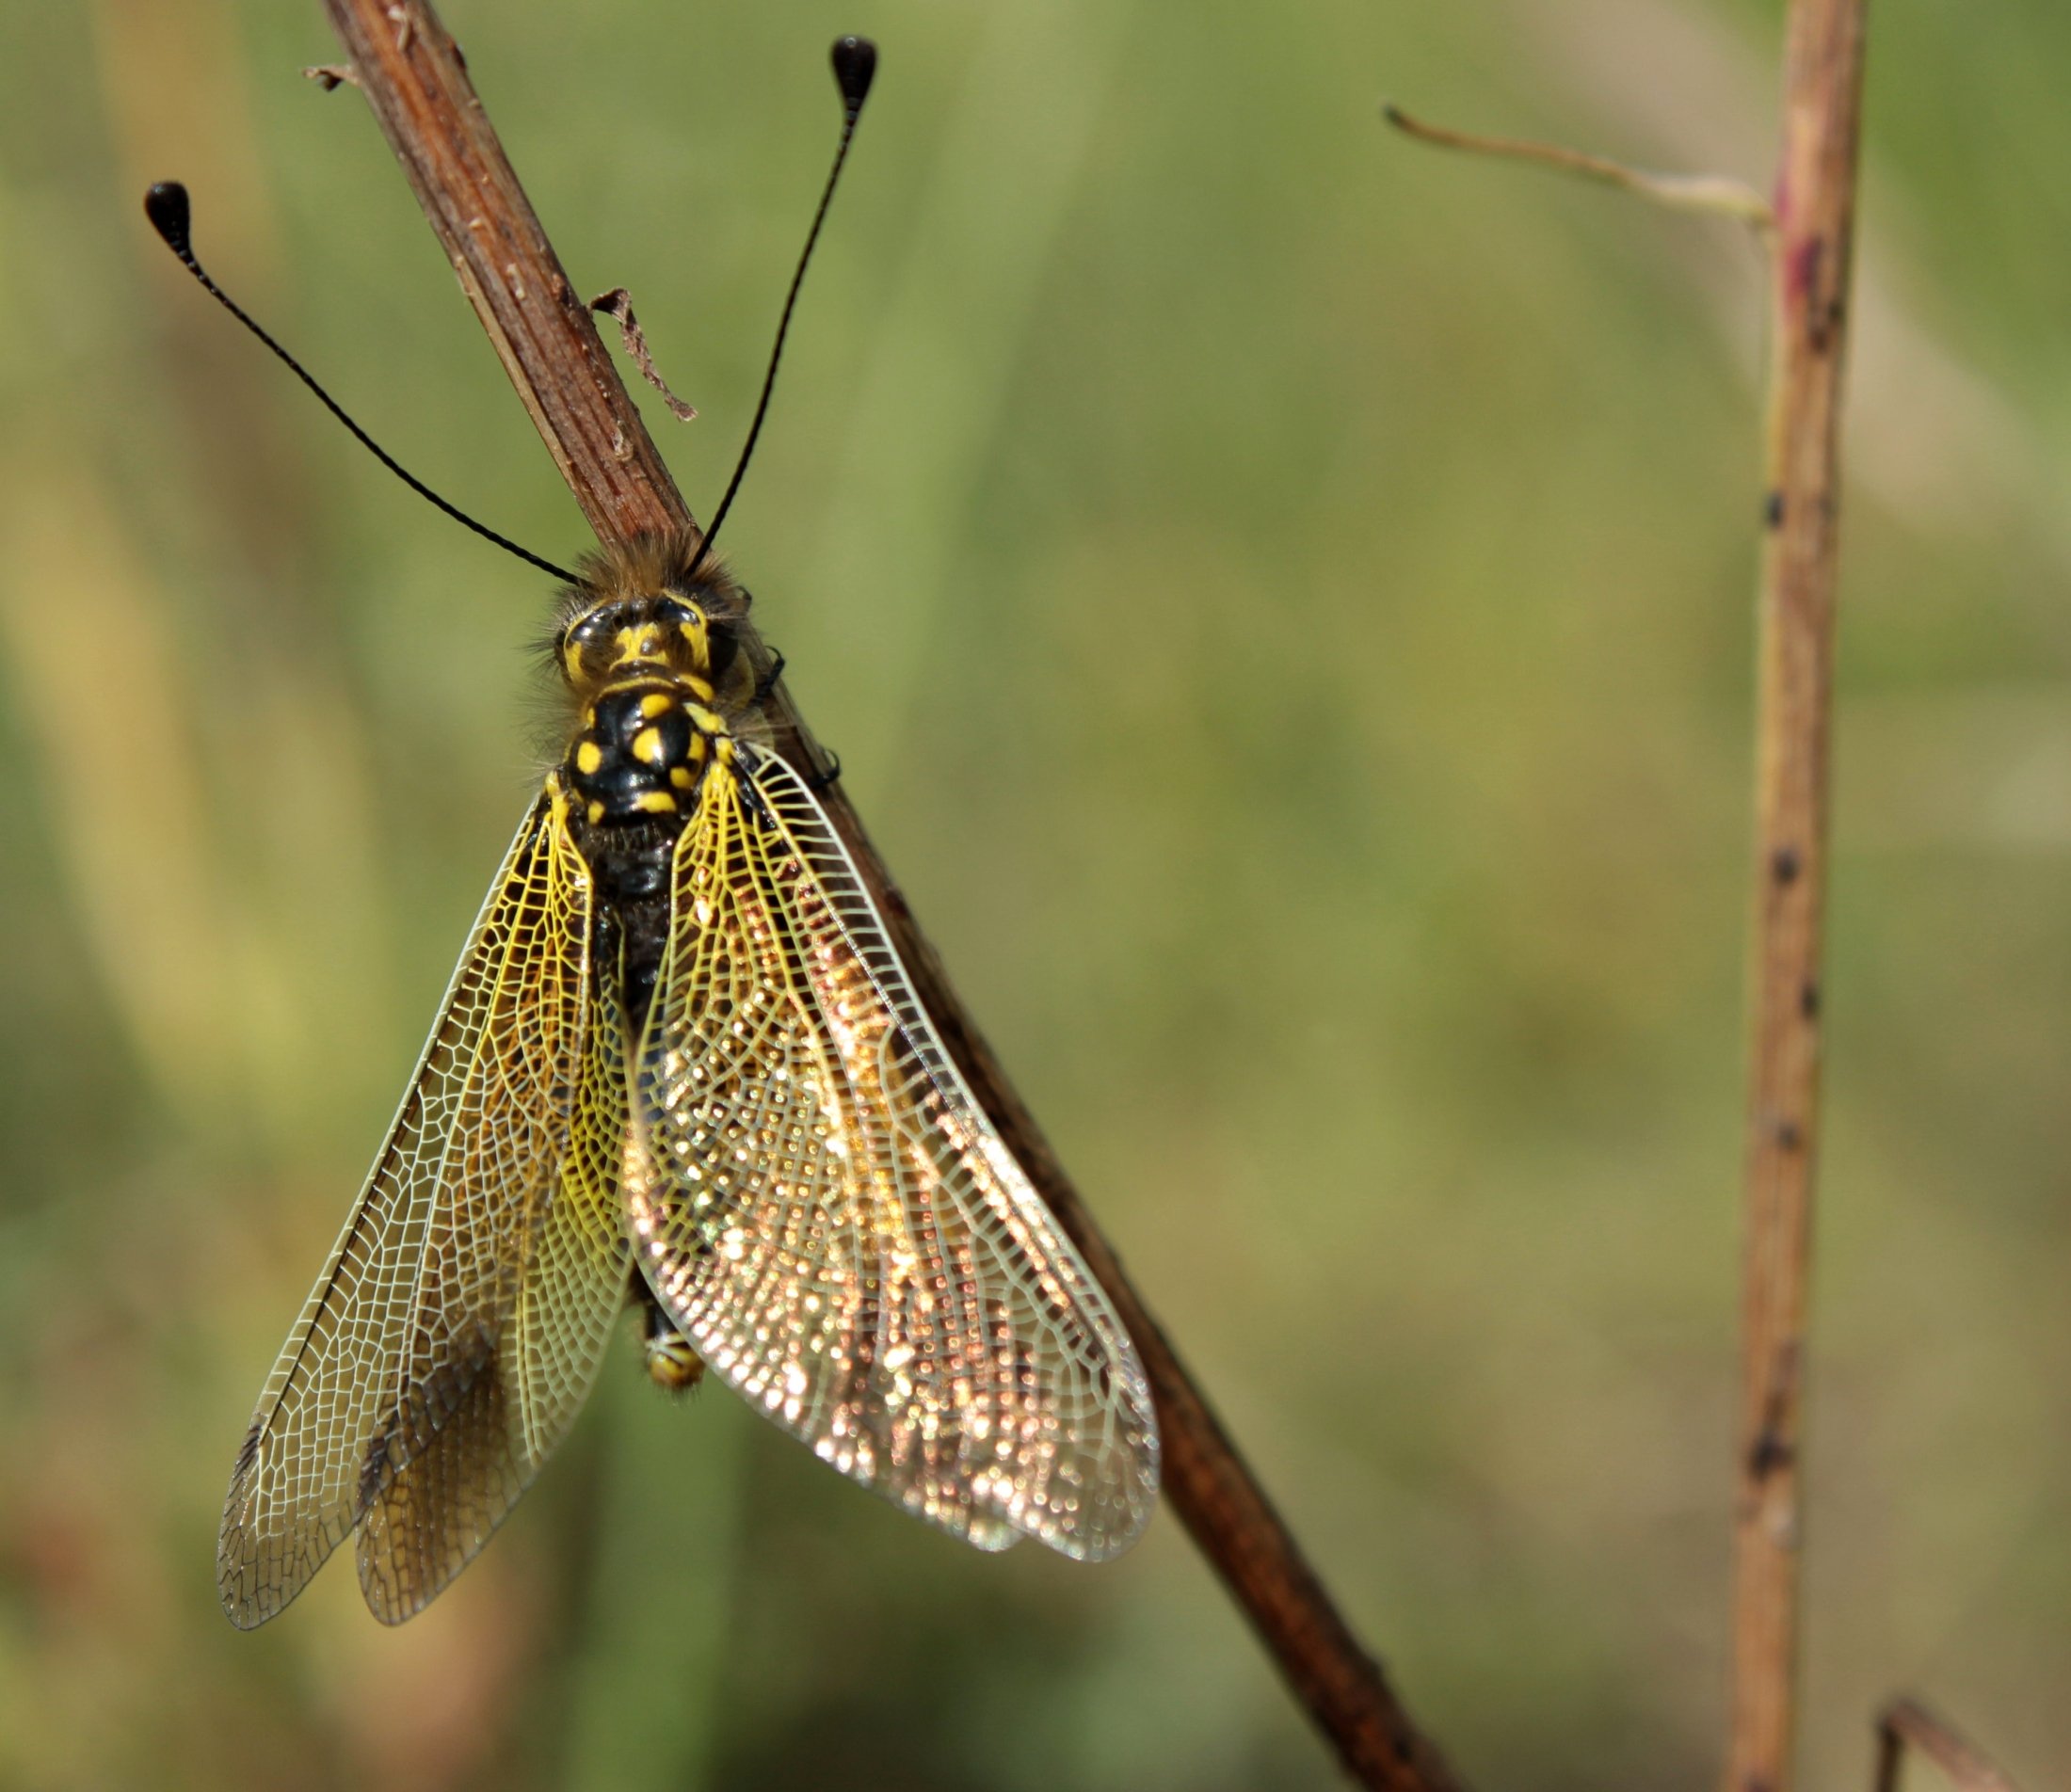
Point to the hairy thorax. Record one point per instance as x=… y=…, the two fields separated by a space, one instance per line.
x=642 y=654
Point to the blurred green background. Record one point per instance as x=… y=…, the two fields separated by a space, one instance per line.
x=1283 y=600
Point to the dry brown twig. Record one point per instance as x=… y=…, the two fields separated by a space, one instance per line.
x=415 y=81
x=1906 y=1724
x=1713 y=194
x=1809 y=232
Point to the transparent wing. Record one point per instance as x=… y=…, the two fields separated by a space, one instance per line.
x=450 y=1340
x=834 y=1223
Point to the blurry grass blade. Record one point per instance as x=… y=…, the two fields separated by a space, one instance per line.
x=989 y=209
x=660 y=1477
x=126 y=808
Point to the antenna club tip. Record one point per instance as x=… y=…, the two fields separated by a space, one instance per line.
x=170 y=215
x=855 y=63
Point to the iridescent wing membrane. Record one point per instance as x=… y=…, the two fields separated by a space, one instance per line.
x=831 y=1219
x=455 y=1331
x=813 y=1194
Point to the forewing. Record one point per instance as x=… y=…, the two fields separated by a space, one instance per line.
x=836 y=1224
x=450 y=1338
x=490 y=1400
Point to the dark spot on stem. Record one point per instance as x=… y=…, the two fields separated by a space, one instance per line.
x=1826 y=327
x=1769 y=1452
x=1809 y=1000
x=1785 y=864
x=1772 y=510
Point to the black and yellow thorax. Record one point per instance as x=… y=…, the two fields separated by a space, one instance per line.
x=645 y=653
x=641 y=672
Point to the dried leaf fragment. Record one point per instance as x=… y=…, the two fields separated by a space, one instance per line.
x=619 y=303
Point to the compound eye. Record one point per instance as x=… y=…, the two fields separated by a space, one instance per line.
x=579 y=643
x=692 y=625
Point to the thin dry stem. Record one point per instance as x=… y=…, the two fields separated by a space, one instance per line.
x=1714 y=195
x=417 y=85
x=1810 y=286
x=1809 y=231
x=1906 y=1724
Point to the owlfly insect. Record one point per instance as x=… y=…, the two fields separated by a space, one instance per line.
x=680 y=1065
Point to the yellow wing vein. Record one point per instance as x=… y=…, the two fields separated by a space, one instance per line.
x=458 y=1323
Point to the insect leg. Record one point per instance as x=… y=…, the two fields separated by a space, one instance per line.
x=747 y=762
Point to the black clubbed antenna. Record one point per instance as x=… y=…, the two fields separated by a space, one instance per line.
x=171 y=216
x=855 y=62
